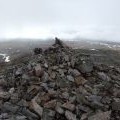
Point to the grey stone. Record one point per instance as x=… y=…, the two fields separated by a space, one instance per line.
x=3 y=82
x=37 y=108
x=93 y=98
x=4 y=95
x=21 y=117
x=74 y=72
x=101 y=116
x=26 y=77
x=72 y=99
x=59 y=109
x=61 y=72
x=48 y=114
x=69 y=106
x=65 y=95
x=51 y=104
x=116 y=106
x=70 y=116
x=18 y=72
x=85 y=66
x=66 y=58
x=70 y=78
x=80 y=80
x=45 y=77
x=103 y=76
x=4 y=116
x=62 y=82
x=30 y=115
x=10 y=107
x=45 y=86
x=38 y=70
x=45 y=65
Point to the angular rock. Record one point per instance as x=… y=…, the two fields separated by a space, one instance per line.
x=37 y=108
x=37 y=51
x=4 y=116
x=21 y=117
x=12 y=90
x=45 y=77
x=38 y=70
x=48 y=114
x=4 y=95
x=101 y=116
x=70 y=78
x=31 y=93
x=3 y=82
x=85 y=66
x=69 y=106
x=53 y=75
x=72 y=99
x=80 y=80
x=74 y=72
x=66 y=58
x=50 y=104
x=59 y=109
x=18 y=72
x=61 y=72
x=45 y=65
x=70 y=116
x=30 y=115
x=10 y=107
x=116 y=106
x=103 y=76
x=14 y=98
x=43 y=99
x=65 y=95
x=62 y=82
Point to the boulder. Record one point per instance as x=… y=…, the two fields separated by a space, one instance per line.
x=84 y=66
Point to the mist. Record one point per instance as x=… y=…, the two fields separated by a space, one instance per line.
x=89 y=19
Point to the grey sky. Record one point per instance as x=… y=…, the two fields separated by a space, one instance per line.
x=66 y=18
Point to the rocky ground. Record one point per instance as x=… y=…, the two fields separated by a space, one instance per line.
x=58 y=83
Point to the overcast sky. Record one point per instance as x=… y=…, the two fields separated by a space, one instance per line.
x=97 y=19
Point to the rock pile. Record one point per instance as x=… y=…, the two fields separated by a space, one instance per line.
x=57 y=84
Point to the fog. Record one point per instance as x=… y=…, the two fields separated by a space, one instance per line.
x=91 y=19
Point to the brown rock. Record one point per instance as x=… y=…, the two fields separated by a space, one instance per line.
x=31 y=93
x=69 y=106
x=38 y=70
x=101 y=116
x=50 y=104
x=37 y=108
x=80 y=80
x=44 y=98
x=53 y=75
